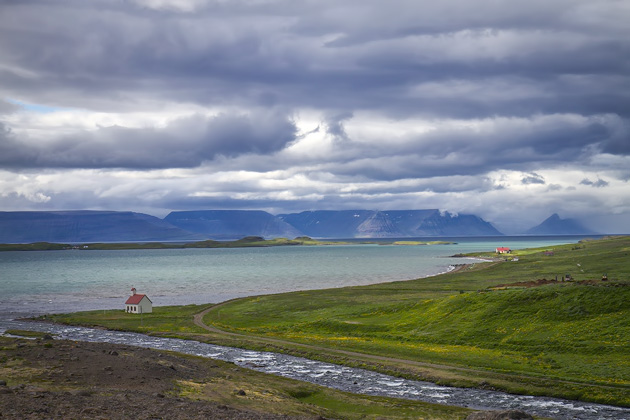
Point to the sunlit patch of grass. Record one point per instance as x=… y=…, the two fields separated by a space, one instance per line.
x=172 y=319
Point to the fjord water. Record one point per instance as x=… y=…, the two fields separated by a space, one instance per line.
x=37 y=282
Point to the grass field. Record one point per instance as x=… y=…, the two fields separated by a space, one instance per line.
x=171 y=319
x=567 y=339
x=571 y=331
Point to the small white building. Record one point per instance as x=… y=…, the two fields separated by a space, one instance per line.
x=138 y=304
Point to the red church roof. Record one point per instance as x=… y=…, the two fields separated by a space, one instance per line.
x=135 y=299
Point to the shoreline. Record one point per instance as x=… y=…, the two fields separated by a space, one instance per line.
x=17 y=314
x=36 y=304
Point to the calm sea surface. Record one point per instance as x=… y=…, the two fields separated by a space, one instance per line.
x=65 y=281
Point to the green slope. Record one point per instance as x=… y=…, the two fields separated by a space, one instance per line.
x=570 y=331
x=565 y=339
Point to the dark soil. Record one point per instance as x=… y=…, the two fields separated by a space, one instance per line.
x=50 y=379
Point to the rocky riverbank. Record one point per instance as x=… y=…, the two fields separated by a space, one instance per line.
x=56 y=379
x=42 y=378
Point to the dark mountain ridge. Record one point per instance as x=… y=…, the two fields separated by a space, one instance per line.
x=232 y=224
x=554 y=225
x=111 y=226
x=87 y=226
x=387 y=224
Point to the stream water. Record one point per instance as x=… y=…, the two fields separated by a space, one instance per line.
x=339 y=377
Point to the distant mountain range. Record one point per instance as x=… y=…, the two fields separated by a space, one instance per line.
x=87 y=226
x=110 y=226
x=554 y=225
x=387 y=224
x=232 y=224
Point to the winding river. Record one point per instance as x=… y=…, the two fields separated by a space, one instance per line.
x=339 y=377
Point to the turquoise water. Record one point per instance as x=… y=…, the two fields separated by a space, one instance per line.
x=63 y=281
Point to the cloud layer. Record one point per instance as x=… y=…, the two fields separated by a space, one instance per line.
x=153 y=105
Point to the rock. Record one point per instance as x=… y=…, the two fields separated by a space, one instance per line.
x=3 y=383
x=47 y=337
x=82 y=393
x=500 y=415
x=486 y=385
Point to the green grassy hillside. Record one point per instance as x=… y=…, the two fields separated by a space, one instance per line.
x=564 y=339
x=572 y=331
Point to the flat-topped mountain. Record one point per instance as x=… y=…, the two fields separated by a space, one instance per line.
x=328 y=223
x=232 y=224
x=438 y=224
x=387 y=224
x=87 y=226
x=554 y=225
x=112 y=226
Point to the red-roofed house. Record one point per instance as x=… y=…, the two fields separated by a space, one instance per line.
x=138 y=304
x=503 y=250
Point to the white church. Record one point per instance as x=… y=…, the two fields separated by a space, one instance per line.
x=138 y=304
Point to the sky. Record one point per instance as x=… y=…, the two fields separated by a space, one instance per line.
x=508 y=110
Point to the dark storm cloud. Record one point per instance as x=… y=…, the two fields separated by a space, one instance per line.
x=516 y=144
x=567 y=56
x=533 y=178
x=619 y=142
x=334 y=125
x=492 y=86
x=600 y=183
x=185 y=142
